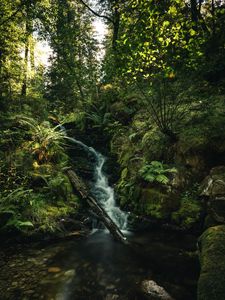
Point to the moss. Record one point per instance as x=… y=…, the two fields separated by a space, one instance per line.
x=211 y=285
x=193 y=138
x=188 y=214
x=121 y=112
x=154 y=144
x=158 y=204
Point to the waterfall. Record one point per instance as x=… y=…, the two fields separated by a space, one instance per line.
x=101 y=189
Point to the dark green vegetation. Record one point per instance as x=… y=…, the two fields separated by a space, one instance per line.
x=212 y=279
x=157 y=100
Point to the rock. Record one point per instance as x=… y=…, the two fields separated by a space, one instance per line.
x=211 y=284
x=54 y=269
x=70 y=273
x=60 y=296
x=157 y=203
x=154 y=291
x=213 y=189
x=29 y=292
x=112 y=297
x=110 y=287
x=214 y=184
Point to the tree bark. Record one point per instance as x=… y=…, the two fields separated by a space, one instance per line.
x=28 y=32
x=24 y=86
x=82 y=189
x=116 y=26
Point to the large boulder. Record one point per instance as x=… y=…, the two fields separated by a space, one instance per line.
x=214 y=184
x=213 y=189
x=211 y=284
x=158 y=203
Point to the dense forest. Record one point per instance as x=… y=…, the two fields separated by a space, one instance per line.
x=150 y=96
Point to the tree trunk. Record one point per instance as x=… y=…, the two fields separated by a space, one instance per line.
x=194 y=11
x=24 y=86
x=213 y=17
x=28 y=31
x=82 y=189
x=116 y=25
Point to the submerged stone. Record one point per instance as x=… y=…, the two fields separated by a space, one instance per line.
x=154 y=291
x=54 y=269
x=70 y=273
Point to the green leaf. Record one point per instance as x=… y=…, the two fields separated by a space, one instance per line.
x=166 y=23
x=162 y=178
x=192 y=32
x=25 y=224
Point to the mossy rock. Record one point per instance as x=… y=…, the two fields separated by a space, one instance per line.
x=213 y=188
x=121 y=112
x=158 y=204
x=153 y=144
x=211 y=284
x=192 y=139
x=188 y=214
x=214 y=184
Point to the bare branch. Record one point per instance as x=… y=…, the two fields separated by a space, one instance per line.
x=95 y=13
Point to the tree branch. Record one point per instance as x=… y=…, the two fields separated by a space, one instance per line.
x=95 y=13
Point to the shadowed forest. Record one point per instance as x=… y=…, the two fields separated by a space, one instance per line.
x=126 y=131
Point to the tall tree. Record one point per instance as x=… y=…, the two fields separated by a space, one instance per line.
x=68 y=27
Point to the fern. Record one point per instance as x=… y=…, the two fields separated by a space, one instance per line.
x=156 y=172
x=46 y=141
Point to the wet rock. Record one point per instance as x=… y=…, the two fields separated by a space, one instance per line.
x=60 y=296
x=214 y=184
x=70 y=273
x=29 y=292
x=112 y=297
x=54 y=269
x=153 y=291
x=213 y=190
x=110 y=287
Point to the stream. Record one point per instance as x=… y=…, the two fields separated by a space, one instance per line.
x=97 y=267
x=102 y=191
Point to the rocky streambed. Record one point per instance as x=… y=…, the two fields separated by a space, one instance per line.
x=97 y=267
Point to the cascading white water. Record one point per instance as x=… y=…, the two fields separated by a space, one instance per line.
x=105 y=194
x=102 y=191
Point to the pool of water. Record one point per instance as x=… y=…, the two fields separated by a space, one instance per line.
x=98 y=267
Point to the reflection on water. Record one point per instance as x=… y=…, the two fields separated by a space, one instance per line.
x=98 y=268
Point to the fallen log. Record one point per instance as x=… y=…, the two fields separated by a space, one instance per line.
x=82 y=189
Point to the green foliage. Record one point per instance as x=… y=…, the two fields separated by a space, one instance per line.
x=156 y=172
x=153 y=144
x=156 y=203
x=34 y=195
x=211 y=284
x=167 y=39
x=46 y=142
x=73 y=72
x=190 y=209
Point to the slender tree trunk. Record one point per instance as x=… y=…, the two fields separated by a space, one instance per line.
x=116 y=25
x=213 y=16
x=24 y=86
x=194 y=11
x=28 y=31
x=32 y=62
